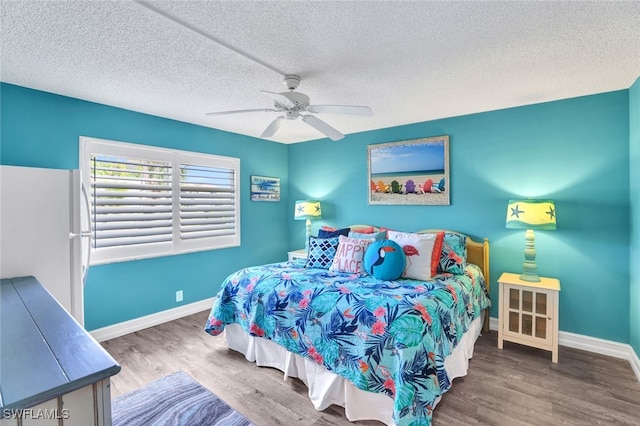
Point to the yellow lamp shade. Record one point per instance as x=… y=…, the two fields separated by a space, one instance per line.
x=531 y=214
x=306 y=209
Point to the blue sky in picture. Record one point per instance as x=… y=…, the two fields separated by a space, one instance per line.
x=412 y=157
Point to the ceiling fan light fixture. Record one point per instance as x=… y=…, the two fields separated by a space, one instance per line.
x=291 y=104
x=291 y=81
x=291 y=114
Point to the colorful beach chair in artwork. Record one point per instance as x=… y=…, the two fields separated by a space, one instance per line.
x=396 y=188
x=428 y=186
x=373 y=186
x=410 y=187
x=431 y=187
x=439 y=187
x=381 y=187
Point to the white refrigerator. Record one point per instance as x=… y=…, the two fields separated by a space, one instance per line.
x=44 y=231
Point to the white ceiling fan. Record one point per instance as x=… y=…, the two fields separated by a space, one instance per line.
x=293 y=104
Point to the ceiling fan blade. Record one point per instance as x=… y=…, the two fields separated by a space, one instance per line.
x=323 y=127
x=240 y=111
x=340 y=109
x=272 y=128
x=280 y=98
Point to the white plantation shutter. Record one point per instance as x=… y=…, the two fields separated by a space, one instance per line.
x=207 y=202
x=131 y=201
x=153 y=201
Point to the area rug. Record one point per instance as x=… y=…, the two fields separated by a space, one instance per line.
x=176 y=400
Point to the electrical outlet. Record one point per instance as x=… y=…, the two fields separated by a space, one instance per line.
x=179 y=296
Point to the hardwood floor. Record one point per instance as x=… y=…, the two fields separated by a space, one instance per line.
x=513 y=386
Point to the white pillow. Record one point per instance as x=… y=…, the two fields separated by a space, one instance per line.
x=350 y=254
x=418 y=249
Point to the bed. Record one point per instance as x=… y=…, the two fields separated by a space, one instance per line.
x=384 y=350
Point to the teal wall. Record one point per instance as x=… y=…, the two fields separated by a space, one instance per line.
x=42 y=130
x=574 y=151
x=634 y=154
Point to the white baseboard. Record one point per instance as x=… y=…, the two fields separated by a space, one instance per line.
x=592 y=344
x=131 y=326
x=635 y=363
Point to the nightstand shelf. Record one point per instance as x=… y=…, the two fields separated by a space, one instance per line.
x=297 y=254
x=528 y=312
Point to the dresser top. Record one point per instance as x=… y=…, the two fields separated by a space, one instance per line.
x=44 y=352
x=544 y=283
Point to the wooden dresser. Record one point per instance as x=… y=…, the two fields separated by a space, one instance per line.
x=52 y=372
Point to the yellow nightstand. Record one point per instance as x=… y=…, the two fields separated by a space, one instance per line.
x=528 y=312
x=297 y=254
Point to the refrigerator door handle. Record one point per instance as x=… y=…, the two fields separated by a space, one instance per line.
x=86 y=234
x=83 y=234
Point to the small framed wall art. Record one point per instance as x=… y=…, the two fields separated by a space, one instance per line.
x=264 y=188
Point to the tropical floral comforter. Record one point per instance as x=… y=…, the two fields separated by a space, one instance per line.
x=388 y=337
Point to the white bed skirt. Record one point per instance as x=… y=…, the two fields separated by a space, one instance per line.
x=325 y=387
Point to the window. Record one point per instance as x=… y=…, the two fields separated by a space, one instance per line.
x=148 y=201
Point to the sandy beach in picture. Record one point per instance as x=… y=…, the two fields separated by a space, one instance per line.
x=425 y=162
x=414 y=198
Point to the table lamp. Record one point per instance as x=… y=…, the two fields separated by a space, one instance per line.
x=531 y=214
x=307 y=210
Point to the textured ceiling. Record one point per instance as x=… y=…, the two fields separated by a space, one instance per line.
x=409 y=61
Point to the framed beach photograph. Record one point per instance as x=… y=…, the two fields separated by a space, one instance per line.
x=264 y=188
x=410 y=172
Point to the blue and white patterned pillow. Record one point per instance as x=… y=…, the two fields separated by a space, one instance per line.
x=321 y=252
